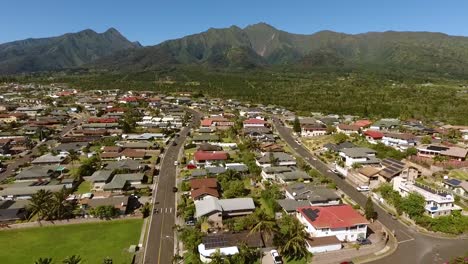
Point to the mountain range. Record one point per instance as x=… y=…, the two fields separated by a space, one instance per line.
x=62 y=52
x=255 y=46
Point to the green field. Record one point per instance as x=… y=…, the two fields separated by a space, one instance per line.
x=93 y=242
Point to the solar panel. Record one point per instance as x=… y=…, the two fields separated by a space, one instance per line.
x=311 y=214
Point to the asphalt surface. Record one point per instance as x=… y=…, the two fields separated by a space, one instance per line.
x=160 y=244
x=19 y=161
x=413 y=247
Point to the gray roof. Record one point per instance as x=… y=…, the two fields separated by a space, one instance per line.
x=314 y=194
x=112 y=201
x=215 y=170
x=35 y=172
x=358 y=152
x=132 y=165
x=205 y=137
x=290 y=205
x=199 y=172
x=294 y=176
x=100 y=176
x=140 y=144
x=212 y=204
x=76 y=146
x=49 y=158
x=119 y=180
x=280 y=156
x=99 y=125
x=29 y=190
x=237 y=167
x=277 y=169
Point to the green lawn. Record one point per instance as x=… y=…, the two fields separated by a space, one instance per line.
x=458 y=174
x=93 y=242
x=85 y=187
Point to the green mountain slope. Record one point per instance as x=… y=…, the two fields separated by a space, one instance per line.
x=262 y=45
x=66 y=51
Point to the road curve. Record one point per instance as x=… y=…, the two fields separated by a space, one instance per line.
x=413 y=247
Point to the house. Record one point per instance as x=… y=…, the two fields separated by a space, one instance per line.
x=215 y=210
x=399 y=140
x=316 y=196
x=438 y=203
x=269 y=159
x=453 y=153
x=373 y=136
x=37 y=173
x=26 y=192
x=338 y=147
x=363 y=123
x=118 y=202
x=99 y=178
x=125 y=165
x=358 y=155
x=347 y=129
x=132 y=154
x=459 y=187
x=143 y=144
x=323 y=244
x=341 y=221
x=10 y=212
x=200 y=188
x=257 y=132
x=392 y=168
x=210 y=156
x=293 y=176
x=49 y=159
x=254 y=122
x=65 y=148
x=313 y=130
x=290 y=206
x=199 y=138
x=121 y=182
x=227 y=244
x=385 y=124
x=269 y=173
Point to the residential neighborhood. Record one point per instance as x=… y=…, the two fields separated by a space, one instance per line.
x=218 y=179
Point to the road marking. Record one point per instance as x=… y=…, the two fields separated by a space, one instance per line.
x=404 y=241
x=170 y=210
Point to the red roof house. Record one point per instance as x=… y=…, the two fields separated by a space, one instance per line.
x=373 y=134
x=203 y=187
x=254 y=122
x=203 y=156
x=362 y=123
x=206 y=122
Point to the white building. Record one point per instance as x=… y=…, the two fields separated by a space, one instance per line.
x=341 y=221
x=358 y=155
x=438 y=203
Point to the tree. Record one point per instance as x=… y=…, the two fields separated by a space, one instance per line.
x=369 y=209
x=39 y=204
x=73 y=259
x=191 y=237
x=357 y=165
x=246 y=255
x=413 y=205
x=107 y=260
x=291 y=238
x=60 y=207
x=339 y=138
x=265 y=224
x=146 y=209
x=426 y=140
x=297 y=125
x=331 y=129
x=104 y=211
x=43 y=261
x=73 y=155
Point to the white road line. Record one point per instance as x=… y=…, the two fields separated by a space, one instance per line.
x=170 y=210
x=403 y=241
x=165 y=210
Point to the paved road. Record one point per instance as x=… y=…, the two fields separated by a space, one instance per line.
x=413 y=247
x=19 y=161
x=160 y=244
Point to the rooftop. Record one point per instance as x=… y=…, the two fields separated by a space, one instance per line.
x=337 y=216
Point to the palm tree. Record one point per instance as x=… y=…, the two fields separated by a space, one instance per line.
x=291 y=238
x=265 y=224
x=60 y=208
x=74 y=259
x=73 y=156
x=246 y=255
x=43 y=261
x=39 y=204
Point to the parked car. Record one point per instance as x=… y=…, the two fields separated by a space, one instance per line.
x=176 y=163
x=276 y=257
x=363 y=241
x=190 y=222
x=363 y=188
x=174 y=189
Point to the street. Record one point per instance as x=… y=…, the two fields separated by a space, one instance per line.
x=160 y=244
x=413 y=247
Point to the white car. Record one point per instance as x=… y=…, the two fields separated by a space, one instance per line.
x=363 y=188
x=176 y=163
x=276 y=257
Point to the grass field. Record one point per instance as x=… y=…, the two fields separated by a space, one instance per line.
x=459 y=174
x=84 y=187
x=93 y=242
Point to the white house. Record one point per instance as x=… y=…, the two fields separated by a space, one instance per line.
x=313 y=131
x=341 y=221
x=358 y=155
x=438 y=203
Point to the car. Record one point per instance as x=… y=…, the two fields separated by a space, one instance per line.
x=174 y=189
x=335 y=171
x=276 y=257
x=174 y=143
x=176 y=163
x=393 y=216
x=190 y=221
x=363 y=188
x=363 y=241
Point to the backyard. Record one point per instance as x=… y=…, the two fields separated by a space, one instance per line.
x=93 y=242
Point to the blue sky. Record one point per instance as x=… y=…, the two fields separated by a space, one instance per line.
x=151 y=22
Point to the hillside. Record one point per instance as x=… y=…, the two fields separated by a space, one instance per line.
x=262 y=45
x=56 y=53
